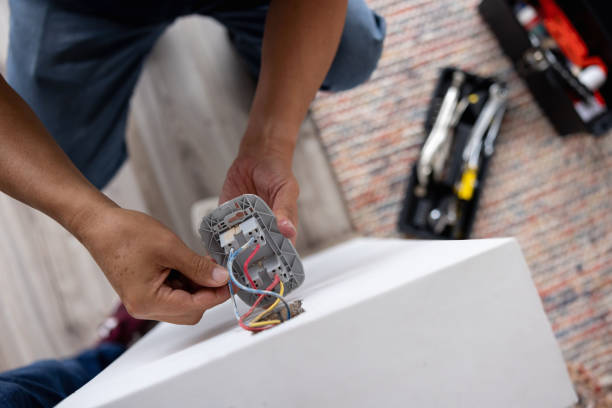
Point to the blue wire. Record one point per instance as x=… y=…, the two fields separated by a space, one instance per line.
x=229 y=284
x=234 y=301
x=232 y=257
x=230 y=265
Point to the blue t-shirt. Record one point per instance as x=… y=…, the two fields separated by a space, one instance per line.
x=154 y=11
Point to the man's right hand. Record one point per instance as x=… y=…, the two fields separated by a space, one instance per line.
x=152 y=270
x=156 y=276
x=137 y=254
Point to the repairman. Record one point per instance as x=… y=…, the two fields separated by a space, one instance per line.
x=71 y=70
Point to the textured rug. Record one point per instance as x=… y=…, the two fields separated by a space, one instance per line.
x=554 y=194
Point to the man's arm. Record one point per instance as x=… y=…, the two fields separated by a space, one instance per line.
x=135 y=252
x=300 y=41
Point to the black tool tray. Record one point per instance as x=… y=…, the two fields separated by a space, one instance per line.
x=413 y=217
x=545 y=85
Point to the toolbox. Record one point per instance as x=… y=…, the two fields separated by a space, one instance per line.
x=562 y=49
x=461 y=126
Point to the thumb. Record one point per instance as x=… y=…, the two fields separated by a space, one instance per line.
x=285 y=209
x=200 y=269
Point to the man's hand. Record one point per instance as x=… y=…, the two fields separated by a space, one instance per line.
x=156 y=275
x=299 y=43
x=270 y=178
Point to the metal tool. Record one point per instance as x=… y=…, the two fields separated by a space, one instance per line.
x=462 y=106
x=437 y=146
x=489 y=141
x=471 y=153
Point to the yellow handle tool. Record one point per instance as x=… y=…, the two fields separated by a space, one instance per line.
x=466 y=187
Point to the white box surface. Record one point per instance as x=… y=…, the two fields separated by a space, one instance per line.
x=388 y=323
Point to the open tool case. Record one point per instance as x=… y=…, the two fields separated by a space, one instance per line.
x=425 y=205
x=562 y=49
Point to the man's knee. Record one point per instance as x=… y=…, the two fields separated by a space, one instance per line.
x=359 y=50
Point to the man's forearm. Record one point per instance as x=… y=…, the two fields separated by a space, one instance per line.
x=35 y=170
x=300 y=41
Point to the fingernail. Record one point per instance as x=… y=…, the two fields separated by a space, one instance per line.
x=289 y=226
x=220 y=275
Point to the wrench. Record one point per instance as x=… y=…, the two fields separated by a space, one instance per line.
x=471 y=152
x=488 y=147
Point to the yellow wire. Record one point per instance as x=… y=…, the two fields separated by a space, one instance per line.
x=255 y=323
x=264 y=323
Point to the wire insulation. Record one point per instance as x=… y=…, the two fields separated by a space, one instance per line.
x=232 y=257
x=245 y=268
x=254 y=325
x=259 y=299
x=255 y=322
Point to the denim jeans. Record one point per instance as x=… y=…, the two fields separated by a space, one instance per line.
x=46 y=383
x=76 y=62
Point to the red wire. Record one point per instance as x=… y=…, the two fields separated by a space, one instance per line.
x=246 y=266
x=252 y=329
x=259 y=299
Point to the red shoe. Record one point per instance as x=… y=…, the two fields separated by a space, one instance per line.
x=122 y=328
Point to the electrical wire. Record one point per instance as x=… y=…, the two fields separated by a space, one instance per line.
x=255 y=322
x=254 y=325
x=231 y=289
x=260 y=327
x=275 y=282
x=245 y=268
x=232 y=257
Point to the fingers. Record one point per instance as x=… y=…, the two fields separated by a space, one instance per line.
x=285 y=209
x=202 y=270
x=180 y=307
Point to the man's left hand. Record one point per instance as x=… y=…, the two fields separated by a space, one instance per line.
x=271 y=178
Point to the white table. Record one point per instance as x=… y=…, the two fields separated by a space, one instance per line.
x=388 y=323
